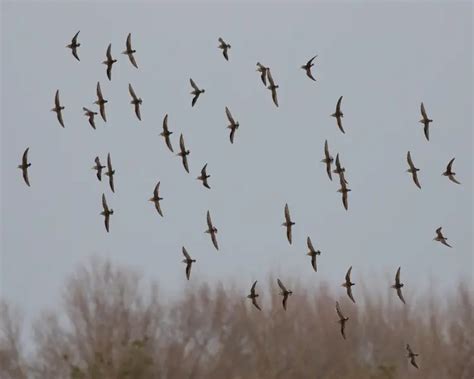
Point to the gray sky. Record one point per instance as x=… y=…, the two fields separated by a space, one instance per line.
x=385 y=59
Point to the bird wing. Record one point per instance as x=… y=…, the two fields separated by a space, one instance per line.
x=132 y=59
x=109 y=72
x=185 y=163
x=99 y=92
x=397 y=277
x=348 y=275
x=24 y=159
x=181 y=143
x=400 y=295
x=413 y=362
x=349 y=293
x=194 y=100
x=254 y=302
x=313 y=262
x=283 y=288
x=137 y=111
x=109 y=163
x=343 y=326
x=287 y=213
x=129 y=41
x=102 y=111
x=132 y=92
x=185 y=253
x=309 y=74
x=60 y=118
x=415 y=179
x=74 y=53
x=203 y=170
x=270 y=77
x=252 y=290
x=25 y=175
x=74 y=39
x=339 y=124
x=165 y=124
x=453 y=179
x=209 y=221
x=285 y=298
x=345 y=200
x=104 y=203
x=450 y=165
x=107 y=221
x=338 y=105
x=410 y=161
x=194 y=85
x=443 y=241
x=338 y=310
x=111 y=183
x=224 y=52
x=328 y=169
x=214 y=240
x=158 y=208
x=426 y=129
x=232 y=133
x=156 y=190
x=423 y=111
x=188 y=270
x=288 y=233
x=274 y=96
x=310 y=245
x=109 y=53
x=229 y=116
x=326 y=150
x=56 y=100
x=263 y=76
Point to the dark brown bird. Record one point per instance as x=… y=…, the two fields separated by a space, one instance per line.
x=339 y=115
x=212 y=230
x=58 y=108
x=225 y=47
x=342 y=320
x=101 y=102
x=328 y=159
x=272 y=87
x=413 y=170
x=412 y=356
x=98 y=167
x=449 y=172
x=136 y=101
x=109 y=61
x=196 y=92
x=344 y=190
x=74 y=45
x=307 y=68
x=440 y=238
x=284 y=292
x=156 y=199
x=106 y=213
x=425 y=121
x=90 y=114
x=233 y=124
x=398 y=286
x=253 y=295
x=340 y=170
x=110 y=173
x=263 y=72
x=189 y=262
x=129 y=51
x=204 y=176
x=312 y=253
x=166 y=133
x=288 y=224
x=24 y=166
x=348 y=284
x=183 y=153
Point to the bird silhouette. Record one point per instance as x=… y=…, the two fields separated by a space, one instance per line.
x=440 y=238
x=204 y=176
x=398 y=286
x=284 y=292
x=109 y=61
x=312 y=253
x=425 y=121
x=156 y=199
x=348 y=284
x=98 y=167
x=342 y=320
x=328 y=159
x=413 y=170
x=101 y=102
x=136 y=101
x=339 y=115
x=58 y=108
x=166 y=133
x=74 y=45
x=110 y=173
x=129 y=51
x=106 y=213
x=263 y=73
x=272 y=87
x=253 y=295
x=225 y=47
x=196 y=92
x=24 y=166
x=412 y=356
x=233 y=124
x=212 y=230
x=288 y=224
x=449 y=172
x=189 y=262
x=90 y=114
x=183 y=153
x=307 y=68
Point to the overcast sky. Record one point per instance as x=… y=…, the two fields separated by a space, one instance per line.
x=384 y=59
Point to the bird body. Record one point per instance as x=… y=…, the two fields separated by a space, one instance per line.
x=440 y=238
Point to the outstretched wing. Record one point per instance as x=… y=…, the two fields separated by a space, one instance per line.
x=310 y=245
x=194 y=85
x=338 y=310
x=348 y=275
x=400 y=295
x=185 y=253
x=229 y=116
x=252 y=290
x=104 y=203
x=338 y=105
x=283 y=288
x=132 y=92
x=349 y=293
x=423 y=111
x=254 y=302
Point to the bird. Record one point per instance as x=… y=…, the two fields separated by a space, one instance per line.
x=156 y=199
x=166 y=133
x=24 y=166
x=272 y=87
x=344 y=190
x=328 y=159
x=204 y=176
x=340 y=170
x=110 y=173
x=196 y=92
x=412 y=356
x=212 y=230
x=74 y=45
x=253 y=295
x=189 y=262
x=398 y=286
x=58 y=108
x=425 y=121
x=413 y=170
x=263 y=72
x=136 y=101
x=312 y=253
x=98 y=167
x=106 y=213
x=284 y=292
x=339 y=115
x=129 y=51
x=109 y=61
x=233 y=124
x=225 y=47
x=91 y=115
x=348 y=284
x=307 y=68
x=342 y=320
x=101 y=102
x=449 y=172
x=440 y=238
x=183 y=153
x=288 y=223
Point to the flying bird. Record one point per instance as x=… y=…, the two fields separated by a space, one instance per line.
x=253 y=295
x=225 y=47
x=212 y=230
x=58 y=108
x=196 y=92
x=74 y=45
x=263 y=72
x=90 y=114
x=136 y=101
x=398 y=286
x=288 y=223
x=101 y=102
x=307 y=68
x=110 y=173
x=189 y=262
x=24 y=166
x=348 y=284
x=449 y=172
x=109 y=61
x=183 y=153
x=340 y=170
x=156 y=199
x=98 y=167
x=312 y=253
x=425 y=121
x=106 y=213
x=344 y=190
x=129 y=51
x=440 y=238
x=342 y=320
x=233 y=124
x=412 y=356
x=284 y=292
x=339 y=115
x=166 y=133
x=328 y=159
x=272 y=87
x=413 y=170
x=204 y=176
